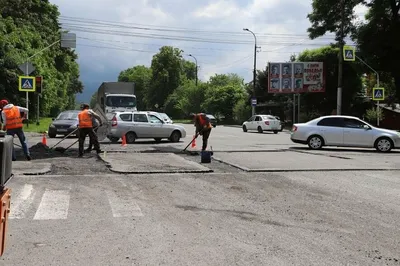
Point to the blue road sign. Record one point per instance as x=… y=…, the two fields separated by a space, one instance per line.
x=27 y=83
x=253 y=102
x=378 y=94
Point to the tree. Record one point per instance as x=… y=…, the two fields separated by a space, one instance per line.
x=26 y=27
x=166 y=69
x=141 y=76
x=379 y=41
x=187 y=98
x=325 y=103
x=327 y=16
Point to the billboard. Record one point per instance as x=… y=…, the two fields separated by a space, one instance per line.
x=296 y=77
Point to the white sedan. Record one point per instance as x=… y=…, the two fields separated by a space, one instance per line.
x=262 y=123
x=344 y=131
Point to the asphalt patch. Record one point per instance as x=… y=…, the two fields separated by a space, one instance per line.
x=151 y=163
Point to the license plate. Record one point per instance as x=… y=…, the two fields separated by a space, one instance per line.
x=62 y=130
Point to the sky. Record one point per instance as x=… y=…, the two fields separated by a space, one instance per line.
x=115 y=35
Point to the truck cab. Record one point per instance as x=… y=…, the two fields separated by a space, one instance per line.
x=119 y=103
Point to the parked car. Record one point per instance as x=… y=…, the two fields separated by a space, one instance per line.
x=137 y=125
x=213 y=120
x=166 y=118
x=281 y=123
x=344 y=131
x=64 y=123
x=262 y=123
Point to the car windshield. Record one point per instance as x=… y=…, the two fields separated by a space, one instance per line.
x=164 y=116
x=121 y=101
x=67 y=116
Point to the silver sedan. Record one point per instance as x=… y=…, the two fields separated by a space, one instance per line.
x=137 y=125
x=344 y=131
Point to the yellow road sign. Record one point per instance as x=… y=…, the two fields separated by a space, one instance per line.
x=27 y=83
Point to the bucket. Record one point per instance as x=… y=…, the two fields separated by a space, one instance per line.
x=206 y=156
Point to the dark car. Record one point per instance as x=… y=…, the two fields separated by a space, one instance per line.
x=65 y=123
x=213 y=120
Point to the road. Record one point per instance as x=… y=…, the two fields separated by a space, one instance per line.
x=262 y=201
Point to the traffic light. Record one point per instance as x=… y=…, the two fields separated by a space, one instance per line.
x=39 y=84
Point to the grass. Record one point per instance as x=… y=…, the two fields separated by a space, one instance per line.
x=42 y=127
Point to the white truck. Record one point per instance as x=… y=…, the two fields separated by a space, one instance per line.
x=114 y=97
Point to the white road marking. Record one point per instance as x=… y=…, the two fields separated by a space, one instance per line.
x=123 y=207
x=21 y=204
x=53 y=206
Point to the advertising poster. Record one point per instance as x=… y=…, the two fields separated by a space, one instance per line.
x=296 y=77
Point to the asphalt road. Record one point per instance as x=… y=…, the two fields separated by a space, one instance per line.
x=262 y=201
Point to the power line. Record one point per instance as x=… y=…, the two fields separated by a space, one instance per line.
x=172 y=29
x=181 y=38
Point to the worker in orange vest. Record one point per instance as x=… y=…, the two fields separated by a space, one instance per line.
x=86 y=128
x=203 y=127
x=12 y=124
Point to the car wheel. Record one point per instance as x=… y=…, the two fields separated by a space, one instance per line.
x=130 y=137
x=259 y=129
x=384 y=144
x=275 y=131
x=114 y=139
x=52 y=135
x=244 y=128
x=175 y=136
x=157 y=139
x=315 y=142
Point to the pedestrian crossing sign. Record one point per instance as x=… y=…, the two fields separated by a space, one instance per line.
x=27 y=83
x=349 y=53
x=378 y=94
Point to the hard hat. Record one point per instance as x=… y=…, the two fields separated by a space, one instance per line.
x=3 y=102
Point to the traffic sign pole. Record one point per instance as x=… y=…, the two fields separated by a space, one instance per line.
x=377 y=84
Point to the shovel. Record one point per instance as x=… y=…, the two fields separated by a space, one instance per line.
x=64 y=138
x=62 y=149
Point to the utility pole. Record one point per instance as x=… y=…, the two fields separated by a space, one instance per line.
x=196 y=68
x=253 y=108
x=340 y=69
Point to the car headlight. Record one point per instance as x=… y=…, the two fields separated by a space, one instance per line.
x=52 y=126
x=73 y=126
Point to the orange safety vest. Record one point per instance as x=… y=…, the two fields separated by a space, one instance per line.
x=13 y=118
x=85 y=119
x=203 y=121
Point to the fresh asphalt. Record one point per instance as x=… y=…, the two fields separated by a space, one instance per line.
x=262 y=201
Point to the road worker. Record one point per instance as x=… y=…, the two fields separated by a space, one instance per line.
x=86 y=128
x=12 y=124
x=203 y=127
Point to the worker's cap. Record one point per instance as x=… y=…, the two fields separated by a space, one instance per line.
x=3 y=102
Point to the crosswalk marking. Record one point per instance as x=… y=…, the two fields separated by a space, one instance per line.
x=54 y=205
x=20 y=205
x=123 y=207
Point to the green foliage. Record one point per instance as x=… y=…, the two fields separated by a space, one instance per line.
x=371 y=115
x=326 y=102
x=166 y=69
x=141 y=76
x=326 y=16
x=26 y=27
x=379 y=41
x=241 y=111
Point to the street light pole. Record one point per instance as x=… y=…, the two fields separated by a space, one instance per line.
x=196 y=67
x=253 y=108
x=340 y=67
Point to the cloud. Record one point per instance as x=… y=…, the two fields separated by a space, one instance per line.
x=213 y=33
